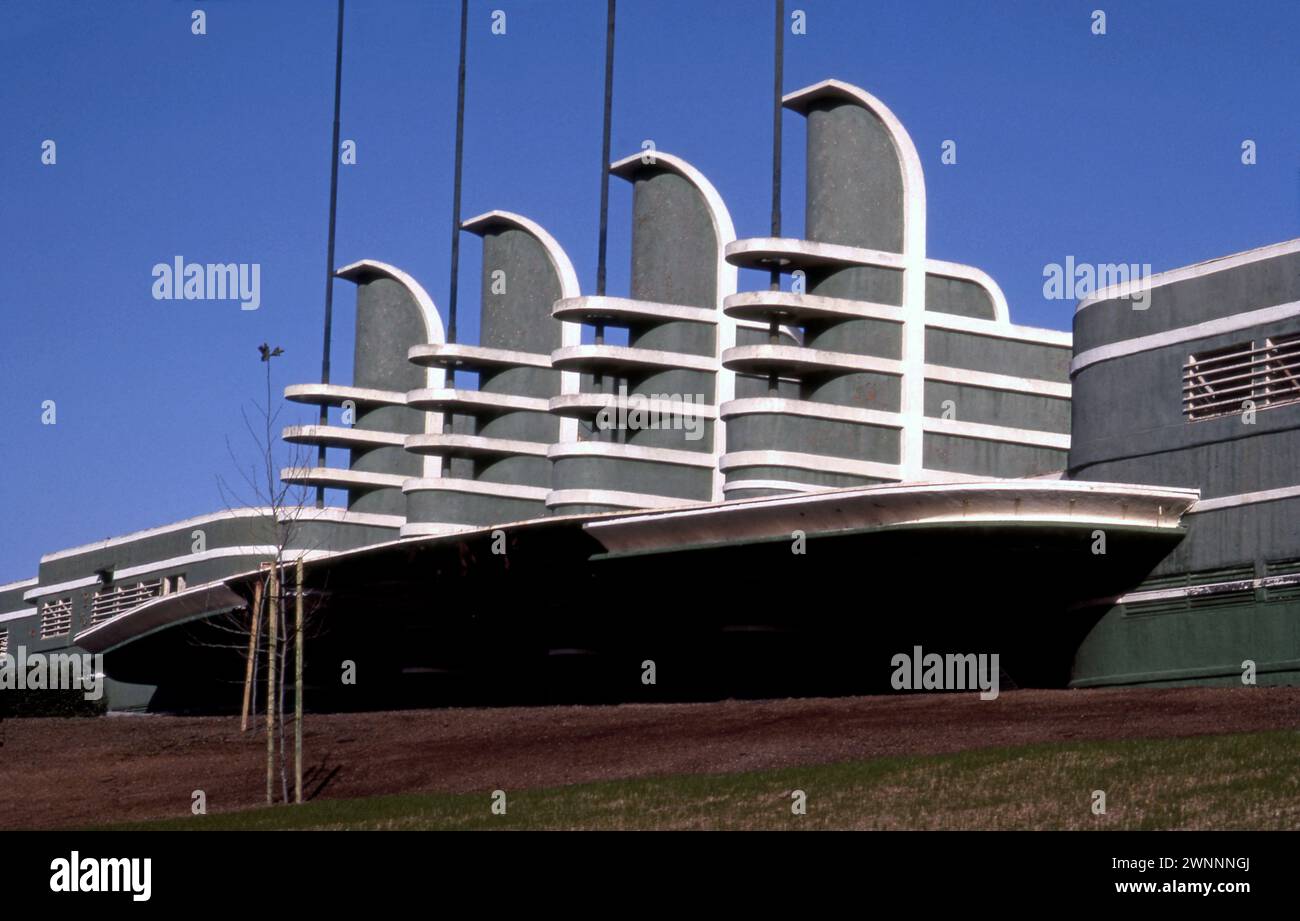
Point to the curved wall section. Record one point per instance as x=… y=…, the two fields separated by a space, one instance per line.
x=393 y=313
x=648 y=431
x=495 y=438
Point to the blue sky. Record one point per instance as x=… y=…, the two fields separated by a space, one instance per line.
x=1117 y=148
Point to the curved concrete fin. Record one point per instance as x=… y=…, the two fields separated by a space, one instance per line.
x=865 y=183
x=680 y=226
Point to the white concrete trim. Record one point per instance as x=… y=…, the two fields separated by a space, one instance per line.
x=19 y=583
x=461 y=356
x=477 y=487
x=267 y=551
x=262 y=550
x=435 y=529
x=585 y=357
x=18 y=615
x=1000 y=433
x=341 y=436
x=993 y=329
x=358 y=272
x=1216 y=503
x=1206 y=590
x=737 y=485
x=991 y=381
x=612 y=497
x=448 y=444
x=1205 y=330
x=335 y=394
x=803 y=306
x=791 y=253
x=340 y=478
x=821 y=463
x=679 y=458
x=591 y=308
x=1001 y=313
x=1197 y=270
x=295 y=513
x=811 y=409
x=560 y=262
x=579 y=405
x=470 y=402
x=58 y=588
x=1068 y=502
x=803 y=360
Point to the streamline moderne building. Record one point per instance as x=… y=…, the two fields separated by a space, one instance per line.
x=762 y=491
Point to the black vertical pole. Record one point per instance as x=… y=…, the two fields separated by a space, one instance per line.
x=455 y=193
x=329 y=254
x=774 y=332
x=604 y=149
x=603 y=243
x=778 y=74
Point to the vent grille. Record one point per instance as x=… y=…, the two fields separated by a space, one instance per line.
x=114 y=601
x=56 y=618
x=1220 y=381
x=4 y=642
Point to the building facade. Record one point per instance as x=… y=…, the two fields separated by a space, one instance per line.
x=877 y=402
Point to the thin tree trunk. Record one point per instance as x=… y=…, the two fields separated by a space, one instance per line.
x=284 y=672
x=273 y=627
x=297 y=693
x=250 y=672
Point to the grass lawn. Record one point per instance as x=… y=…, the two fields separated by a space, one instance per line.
x=1247 y=781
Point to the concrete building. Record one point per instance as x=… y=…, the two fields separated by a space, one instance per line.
x=605 y=480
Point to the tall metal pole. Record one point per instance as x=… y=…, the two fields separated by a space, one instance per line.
x=329 y=256
x=455 y=192
x=604 y=149
x=603 y=244
x=774 y=330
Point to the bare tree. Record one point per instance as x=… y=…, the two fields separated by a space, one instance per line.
x=272 y=595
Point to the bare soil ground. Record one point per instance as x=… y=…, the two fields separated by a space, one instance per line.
x=58 y=772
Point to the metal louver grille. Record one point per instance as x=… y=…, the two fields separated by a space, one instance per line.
x=111 y=602
x=1219 y=382
x=56 y=618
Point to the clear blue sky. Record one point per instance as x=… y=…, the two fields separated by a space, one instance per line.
x=1115 y=148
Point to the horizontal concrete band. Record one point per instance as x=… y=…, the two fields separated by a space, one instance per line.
x=592 y=309
x=467 y=357
x=473 y=402
x=1063 y=502
x=341 y=436
x=337 y=394
x=590 y=404
x=612 y=498
x=341 y=479
x=1181 y=334
x=296 y=513
x=1135 y=287
x=475 y=487
x=800 y=360
x=699 y=459
x=450 y=445
x=1217 y=503
x=614 y=357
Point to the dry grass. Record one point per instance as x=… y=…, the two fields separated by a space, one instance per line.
x=1246 y=781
